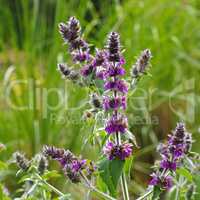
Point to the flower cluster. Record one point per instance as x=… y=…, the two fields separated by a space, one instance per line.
x=71 y=33
x=172 y=153
x=71 y=165
x=115 y=151
x=164 y=182
x=107 y=65
x=79 y=50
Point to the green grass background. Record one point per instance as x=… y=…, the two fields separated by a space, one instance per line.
x=30 y=47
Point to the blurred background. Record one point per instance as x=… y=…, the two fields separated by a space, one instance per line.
x=32 y=112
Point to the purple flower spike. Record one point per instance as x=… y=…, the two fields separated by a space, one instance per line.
x=87 y=70
x=114 y=47
x=116 y=124
x=71 y=34
x=172 y=154
x=71 y=165
x=142 y=63
x=119 y=85
x=114 y=103
x=114 y=151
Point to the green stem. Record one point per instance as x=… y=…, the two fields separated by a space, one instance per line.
x=26 y=194
x=145 y=195
x=123 y=176
x=91 y=187
x=124 y=185
x=177 y=193
x=178 y=188
x=103 y=194
x=51 y=187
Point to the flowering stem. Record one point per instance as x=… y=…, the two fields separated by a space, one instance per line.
x=91 y=187
x=51 y=187
x=123 y=177
x=25 y=195
x=145 y=195
x=178 y=189
x=124 y=185
x=177 y=193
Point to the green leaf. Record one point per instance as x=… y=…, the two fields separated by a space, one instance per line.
x=51 y=174
x=128 y=165
x=110 y=172
x=156 y=193
x=184 y=172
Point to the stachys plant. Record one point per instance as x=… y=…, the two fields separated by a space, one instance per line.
x=103 y=73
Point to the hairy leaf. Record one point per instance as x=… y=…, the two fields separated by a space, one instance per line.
x=110 y=172
x=184 y=172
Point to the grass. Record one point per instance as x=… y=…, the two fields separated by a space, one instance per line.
x=30 y=47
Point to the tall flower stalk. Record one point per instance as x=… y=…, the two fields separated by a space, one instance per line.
x=115 y=100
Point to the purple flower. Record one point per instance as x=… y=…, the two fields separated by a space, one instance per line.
x=116 y=124
x=125 y=151
x=80 y=56
x=165 y=182
x=78 y=165
x=172 y=154
x=115 y=71
x=108 y=150
x=115 y=151
x=101 y=73
x=114 y=102
x=71 y=165
x=118 y=85
x=165 y=164
x=155 y=180
x=177 y=141
x=87 y=70
x=100 y=58
x=71 y=34
x=114 y=47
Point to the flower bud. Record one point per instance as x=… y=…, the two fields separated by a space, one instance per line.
x=42 y=164
x=21 y=161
